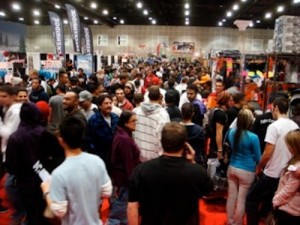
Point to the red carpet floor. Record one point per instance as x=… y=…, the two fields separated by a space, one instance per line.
x=211 y=213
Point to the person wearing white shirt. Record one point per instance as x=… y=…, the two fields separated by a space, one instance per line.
x=273 y=161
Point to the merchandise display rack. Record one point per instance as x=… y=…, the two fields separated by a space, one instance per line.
x=277 y=83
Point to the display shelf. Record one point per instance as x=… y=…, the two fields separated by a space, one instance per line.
x=276 y=65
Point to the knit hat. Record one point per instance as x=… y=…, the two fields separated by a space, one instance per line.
x=44 y=109
x=155 y=81
x=130 y=86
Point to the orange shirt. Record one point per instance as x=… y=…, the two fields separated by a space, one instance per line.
x=212 y=101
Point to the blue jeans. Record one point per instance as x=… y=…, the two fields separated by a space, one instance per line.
x=15 y=198
x=262 y=191
x=118 y=207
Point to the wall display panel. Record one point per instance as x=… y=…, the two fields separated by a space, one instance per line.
x=183 y=47
x=122 y=40
x=102 y=40
x=257 y=45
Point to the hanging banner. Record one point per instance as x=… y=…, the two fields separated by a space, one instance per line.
x=57 y=33
x=87 y=40
x=74 y=26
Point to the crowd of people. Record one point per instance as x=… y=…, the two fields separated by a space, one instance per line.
x=143 y=137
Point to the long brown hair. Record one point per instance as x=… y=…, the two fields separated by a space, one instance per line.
x=244 y=122
x=292 y=140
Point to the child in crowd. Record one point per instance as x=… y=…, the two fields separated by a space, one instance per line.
x=287 y=197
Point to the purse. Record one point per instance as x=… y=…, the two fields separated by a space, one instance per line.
x=226 y=149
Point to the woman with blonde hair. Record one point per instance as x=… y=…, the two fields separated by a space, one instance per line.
x=245 y=154
x=287 y=196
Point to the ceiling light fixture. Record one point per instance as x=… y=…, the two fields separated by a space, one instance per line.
x=187 y=13
x=229 y=14
x=96 y=22
x=150 y=18
x=223 y=20
x=85 y=18
x=280 y=8
x=93 y=5
x=268 y=15
x=243 y=0
x=145 y=12
x=235 y=7
x=21 y=18
x=36 y=22
x=296 y=1
x=187 y=18
x=220 y=24
x=57 y=6
x=105 y=12
x=66 y=21
x=36 y=12
x=187 y=23
x=2 y=13
x=153 y=21
x=186 y=5
x=16 y=6
x=139 y=5
x=258 y=21
x=114 y=18
x=121 y=21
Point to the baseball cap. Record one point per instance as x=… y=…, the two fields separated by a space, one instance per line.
x=85 y=95
x=204 y=79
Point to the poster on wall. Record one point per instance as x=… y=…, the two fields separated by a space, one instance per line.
x=102 y=40
x=122 y=40
x=85 y=62
x=12 y=37
x=183 y=47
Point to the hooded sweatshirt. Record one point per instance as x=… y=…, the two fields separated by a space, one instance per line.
x=38 y=95
x=151 y=118
x=23 y=145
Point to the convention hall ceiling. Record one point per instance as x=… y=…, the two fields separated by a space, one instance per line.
x=153 y=12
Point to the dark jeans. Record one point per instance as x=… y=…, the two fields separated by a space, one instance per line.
x=15 y=198
x=118 y=207
x=33 y=202
x=283 y=218
x=262 y=191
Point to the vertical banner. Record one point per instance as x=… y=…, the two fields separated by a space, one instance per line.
x=75 y=27
x=87 y=40
x=57 y=33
